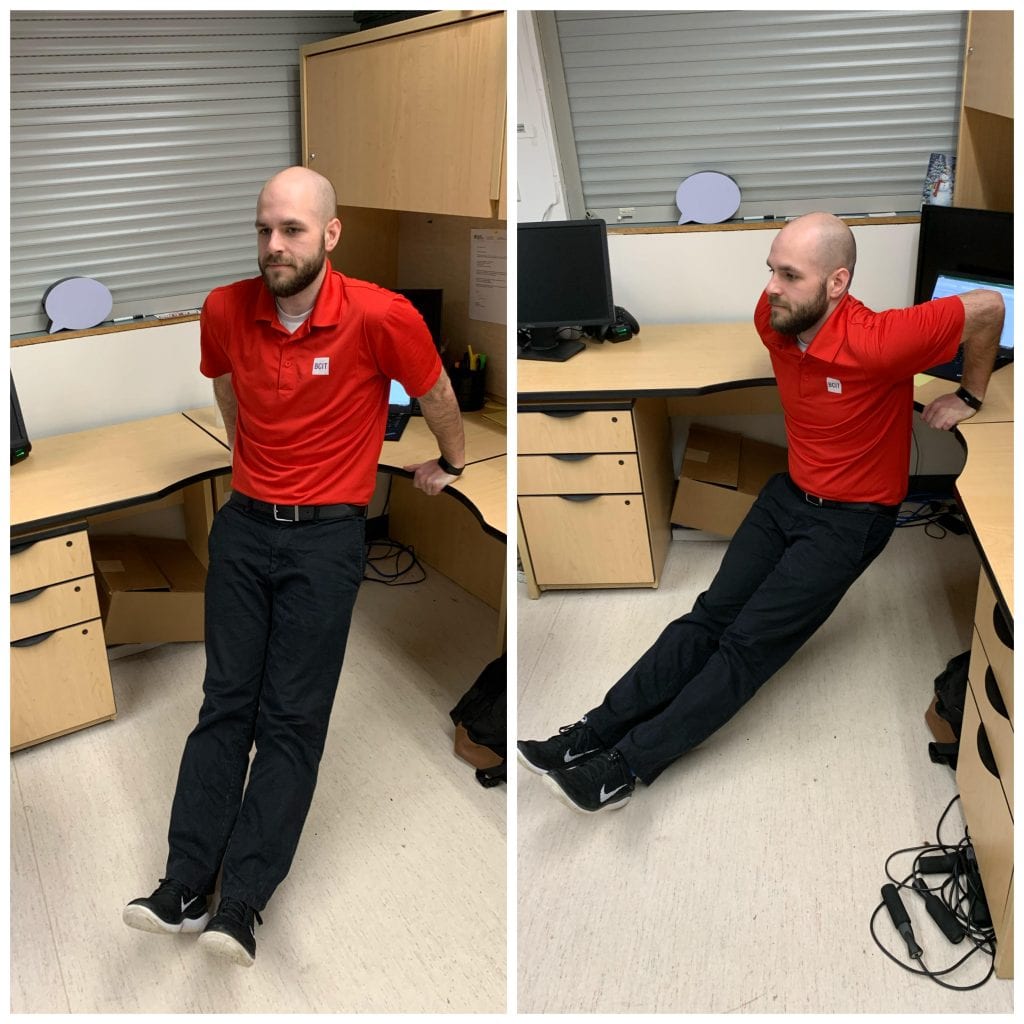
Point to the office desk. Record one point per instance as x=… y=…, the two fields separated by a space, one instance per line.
x=598 y=442
x=60 y=678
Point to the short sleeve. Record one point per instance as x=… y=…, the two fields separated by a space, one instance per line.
x=902 y=342
x=404 y=349
x=214 y=360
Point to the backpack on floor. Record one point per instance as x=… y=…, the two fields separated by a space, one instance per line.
x=950 y=697
x=479 y=719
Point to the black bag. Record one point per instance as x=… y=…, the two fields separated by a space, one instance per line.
x=479 y=717
x=950 y=697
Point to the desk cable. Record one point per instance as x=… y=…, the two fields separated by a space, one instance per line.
x=389 y=562
x=957 y=905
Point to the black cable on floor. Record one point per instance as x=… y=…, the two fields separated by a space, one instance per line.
x=402 y=559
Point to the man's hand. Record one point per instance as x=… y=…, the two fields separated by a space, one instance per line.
x=946 y=411
x=429 y=477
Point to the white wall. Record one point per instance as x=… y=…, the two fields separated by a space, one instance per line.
x=77 y=383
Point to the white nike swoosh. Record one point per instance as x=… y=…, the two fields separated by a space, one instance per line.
x=570 y=756
x=607 y=796
x=185 y=906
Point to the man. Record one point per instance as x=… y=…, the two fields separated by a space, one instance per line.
x=301 y=359
x=845 y=379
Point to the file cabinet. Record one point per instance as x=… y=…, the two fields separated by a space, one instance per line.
x=595 y=488
x=985 y=764
x=60 y=679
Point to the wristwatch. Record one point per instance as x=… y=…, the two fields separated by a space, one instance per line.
x=448 y=467
x=965 y=396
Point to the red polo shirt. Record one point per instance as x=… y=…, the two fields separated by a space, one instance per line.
x=312 y=405
x=848 y=400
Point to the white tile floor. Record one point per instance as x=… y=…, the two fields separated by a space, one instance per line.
x=744 y=878
x=396 y=901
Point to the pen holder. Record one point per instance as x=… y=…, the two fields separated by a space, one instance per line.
x=468 y=386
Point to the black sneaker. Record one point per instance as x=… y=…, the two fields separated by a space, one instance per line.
x=173 y=907
x=604 y=781
x=231 y=932
x=573 y=745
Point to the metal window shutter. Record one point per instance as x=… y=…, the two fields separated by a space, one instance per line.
x=835 y=110
x=139 y=143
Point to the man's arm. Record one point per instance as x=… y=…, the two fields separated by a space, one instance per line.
x=228 y=404
x=983 y=324
x=442 y=415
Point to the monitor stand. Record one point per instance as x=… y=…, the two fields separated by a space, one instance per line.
x=545 y=344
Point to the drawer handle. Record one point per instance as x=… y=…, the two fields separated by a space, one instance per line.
x=573 y=458
x=578 y=497
x=17 y=549
x=995 y=698
x=1003 y=631
x=985 y=751
x=32 y=641
x=563 y=414
x=26 y=595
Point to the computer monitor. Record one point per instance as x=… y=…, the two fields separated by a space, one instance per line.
x=20 y=444
x=564 y=281
x=961 y=240
x=429 y=303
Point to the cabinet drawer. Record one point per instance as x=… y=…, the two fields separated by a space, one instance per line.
x=987 y=814
x=579 y=474
x=602 y=540
x=996 y=638
x=59 y=682
x=62 y=604
x=39 y=563
x=606 y=430
x=994 y=716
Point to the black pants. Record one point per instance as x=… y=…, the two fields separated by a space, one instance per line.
x=279 y=600
x=784 y=572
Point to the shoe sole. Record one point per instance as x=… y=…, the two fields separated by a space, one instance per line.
x=143 y=919
x=566 y=799
x=221 y=945
x=529 y=765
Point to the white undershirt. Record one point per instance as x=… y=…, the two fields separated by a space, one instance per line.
x=293 y=323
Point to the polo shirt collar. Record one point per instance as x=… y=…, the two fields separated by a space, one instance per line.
x=829 y=340
x=326 y=308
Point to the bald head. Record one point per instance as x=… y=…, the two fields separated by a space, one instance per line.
x=827 y=240
x=303 y=187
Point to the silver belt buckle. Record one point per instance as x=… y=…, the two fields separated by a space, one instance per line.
x=813 y=499
x=295 y=512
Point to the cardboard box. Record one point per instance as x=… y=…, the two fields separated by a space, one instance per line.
x=150 y=589
x=721 y=476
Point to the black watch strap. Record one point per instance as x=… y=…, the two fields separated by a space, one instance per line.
x=448 y=467
x=965 y=396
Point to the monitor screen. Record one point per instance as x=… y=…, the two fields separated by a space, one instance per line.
x=564 y=278
x=957 y=284
x=960 y=240
x=429 y=303
x=398 y=395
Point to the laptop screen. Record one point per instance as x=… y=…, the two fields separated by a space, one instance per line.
x=399 y=396
x=956 y=284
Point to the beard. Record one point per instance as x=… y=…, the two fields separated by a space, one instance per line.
x=797 y=319
x=305 y=273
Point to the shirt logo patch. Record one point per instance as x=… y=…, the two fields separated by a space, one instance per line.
x=835 y=386
x=322 y=366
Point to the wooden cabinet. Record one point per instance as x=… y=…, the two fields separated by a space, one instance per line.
x=411 y=116
x=595 y=486
x=984 y=166
x=60 y=680
x=985 y=765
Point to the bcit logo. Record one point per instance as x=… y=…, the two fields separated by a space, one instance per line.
x=835 y=386
x=321 y=366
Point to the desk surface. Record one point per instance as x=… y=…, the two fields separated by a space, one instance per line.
x=75 y=475
x=72 y=476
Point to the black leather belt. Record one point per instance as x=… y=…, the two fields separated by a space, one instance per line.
x=297 y=513
x=850 y=506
